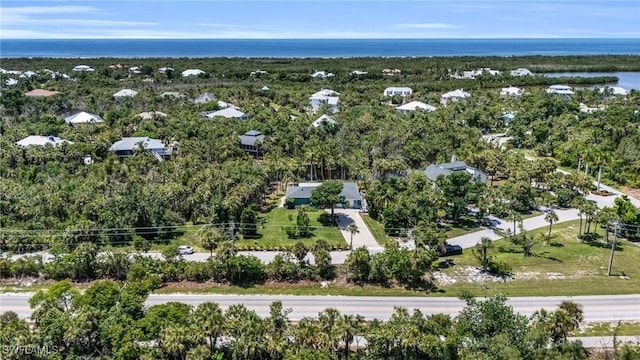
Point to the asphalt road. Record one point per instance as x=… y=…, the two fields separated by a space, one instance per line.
x=596 y=308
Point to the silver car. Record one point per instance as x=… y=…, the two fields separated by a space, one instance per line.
x=185 y=250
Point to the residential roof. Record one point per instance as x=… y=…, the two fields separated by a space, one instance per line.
x=28 y=74
x=251 y=137
x=560 y=89
x=321 y=74
x=434 y=170
x=151 y=114
x=37 y=140
x=458 y=93
x=393 y=90
x=521 y=72
x=511 y=90
x=229 y=113
x=82 y=68
x=131 y=143
x=40 y=92
x=616 y=90
x=265 y=88
x=10 y=82
x=350 y=191
x=125 y=93
x=324 y=93
x=206 y=97
x=323 y=119
x=192 y=72
x=82 y=118
x=414 y=105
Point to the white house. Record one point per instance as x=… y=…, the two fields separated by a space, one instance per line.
x=83 y=68
x=83 y=117
x=391 y=72
x=614 y=90
x=192 y=72
x=521 y=72
x=324 y=119
x=125 y=93
x=402 y=91
x=10 y=82
x=126 y=147
x=358 y=72
x=563 y=90
x=322 y=75
x=325 y=97
x=516 y=92
x=164 y=70
x=35 y=140
x=204 y=98
x=477 y=72
x=229 y=113
x=28 y=74
x=147 y=115
x=454 y=95
x=415 y=105
x=10 y=72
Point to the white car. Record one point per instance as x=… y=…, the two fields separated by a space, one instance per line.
x=185 y=250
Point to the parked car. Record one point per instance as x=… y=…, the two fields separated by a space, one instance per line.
x=450 y=250
x=185 y=250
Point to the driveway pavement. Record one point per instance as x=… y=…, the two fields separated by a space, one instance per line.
x=364 y=237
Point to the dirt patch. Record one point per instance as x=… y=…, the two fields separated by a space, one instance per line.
x=633 y=192
x=468 y=274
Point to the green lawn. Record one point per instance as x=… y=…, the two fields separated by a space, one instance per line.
x=564 y=266
x=376 y=229
x=272 y=236
x=607 y=329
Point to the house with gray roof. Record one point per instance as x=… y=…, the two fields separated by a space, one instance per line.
x=301 y=194
x=83 y=117
x=251 y=141
x=434 y=170
x=126 y=147
x=36 y=140
x=204 y=98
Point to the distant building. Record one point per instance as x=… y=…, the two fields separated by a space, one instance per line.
x=391 y=72
x=35 y=140
x=125 y=93
x=563 y=90
x=204 y=98
x=454 y=95
x=358 y=72
x=229 y=113
x=251 y=141
x=325 y=97
x=513 y=91
x=322 y=75
x=401 y=91
x=415 y=105
x=302 y=193
x=614 y=90
x=521 y=72
x=147 y=115
x=127 y=146
x=164 y=70
x=192 y=72
x=434 y=170
x=83 y=68
x=83 y=117
x=324 y=119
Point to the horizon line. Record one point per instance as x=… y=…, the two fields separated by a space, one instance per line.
x=358 y=38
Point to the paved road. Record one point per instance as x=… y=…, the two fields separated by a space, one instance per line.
x=596 y=308
x=364 y=237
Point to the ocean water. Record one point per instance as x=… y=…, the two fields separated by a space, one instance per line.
x=327 y=48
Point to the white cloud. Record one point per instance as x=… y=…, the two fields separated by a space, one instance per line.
x=428 y=26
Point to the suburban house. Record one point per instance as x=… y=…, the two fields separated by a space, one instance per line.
x=325 y=97
x=40 y=93
x=28 y=74
x=164 y=70
x=11 y=82
x=516 y=92
x=36 y=140
x=172 y=95
x=258 y=72
x=147 y=115
x=454 y=95
x=301 y=193
x=204 y=98
x=192 y=72
x=563 y=90
x=250 y=141
x=391 y=72
x=590 y=110
x=83 y=117
x=324 y=119
x=402 y=91
x=127 y=146
x=125 y=93
x=472 y=74
x=83 y=68
x=322 y=75
x=415 y=105
x=358 y=72
x=10 y=72
x=229 y=113
x=434 y=170
x=521 y=72
x=265 y=88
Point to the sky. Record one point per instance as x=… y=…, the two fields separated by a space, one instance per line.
x=328 y=19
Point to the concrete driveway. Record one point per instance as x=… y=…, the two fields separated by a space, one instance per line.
x=364 y=237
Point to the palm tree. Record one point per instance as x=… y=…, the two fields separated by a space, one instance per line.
x=482 y=252
x=515 y=217
x=210 y=322
x=550 y=217
x=352 y=229
x=210 y=238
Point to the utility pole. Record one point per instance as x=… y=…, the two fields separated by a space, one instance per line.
x=599 y=177
x=586 y=170
x=616 y=225
x=579 y=163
